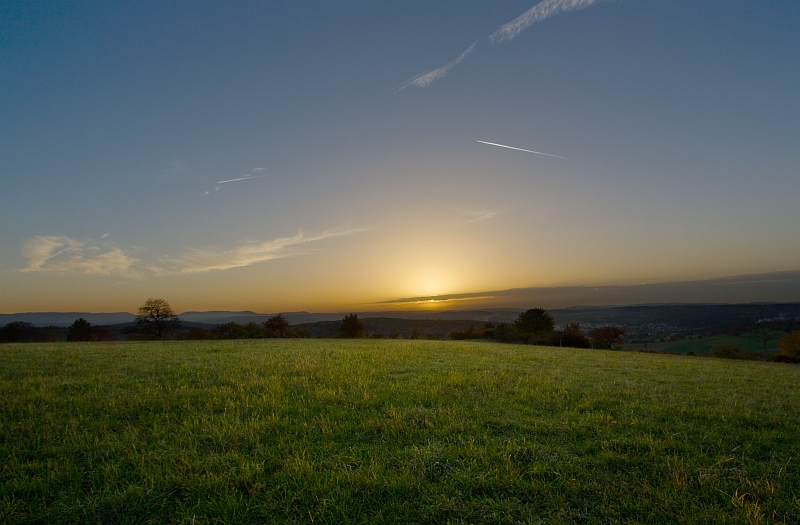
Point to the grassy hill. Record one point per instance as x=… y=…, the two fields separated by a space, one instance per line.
x=705 y=345
x=392 y=431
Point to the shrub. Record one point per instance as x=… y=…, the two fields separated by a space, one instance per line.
x=734 y=352
x=571 y=336
x=82 y=330
x=608 y=336
x=199 y=334
x=455 y=335
x=16 y=332
x=504 y=333
x=230 y=331
x=790 y=345
x=299 y=332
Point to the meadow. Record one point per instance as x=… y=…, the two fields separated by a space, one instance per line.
x=392 y=431
x=707 y=344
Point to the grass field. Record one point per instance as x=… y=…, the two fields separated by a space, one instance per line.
x=707 y=345
x=377 y=431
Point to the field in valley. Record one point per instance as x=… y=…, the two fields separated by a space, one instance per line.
x=392 y=431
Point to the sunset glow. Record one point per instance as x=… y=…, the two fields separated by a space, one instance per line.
x=353 y=156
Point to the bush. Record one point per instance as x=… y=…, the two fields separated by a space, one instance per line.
x=571 y=336
x=230 y=331
x=504 y=333
x=16 y=332
x=199 y=334
x=82 y=330
x=790 y=345
x=608 y=336
x=734 y=352
x=299 y=332
x=455 y=335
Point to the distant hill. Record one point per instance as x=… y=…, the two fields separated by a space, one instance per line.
x=67 y=318
x=638 y=318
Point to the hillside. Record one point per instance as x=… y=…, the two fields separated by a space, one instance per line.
x=332 y=431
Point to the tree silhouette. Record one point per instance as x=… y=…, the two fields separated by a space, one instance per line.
x=16 y=332
x=351 y=327
x=157 y=318
x=764 y=334
x=80 y=330
x=277 y=324
x=608 y=336
x=534 y=325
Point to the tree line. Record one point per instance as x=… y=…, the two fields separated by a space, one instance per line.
x=156 y=320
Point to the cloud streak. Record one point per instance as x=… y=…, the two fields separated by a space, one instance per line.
x=428 y=78
x=59 y=254
x=504 y=33
x=480 y=216
x=520 y=149
x=248 y=177
x=537 y=13
x=251 y=175
x=775 y=286
x=196 y=260
x=48 y=253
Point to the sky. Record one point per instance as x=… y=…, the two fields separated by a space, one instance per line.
x=333 y=156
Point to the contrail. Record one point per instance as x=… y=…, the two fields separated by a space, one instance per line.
x=521 y=149
x=504 y=33
x=535 y=14
x=425 y=79
x=241 y=178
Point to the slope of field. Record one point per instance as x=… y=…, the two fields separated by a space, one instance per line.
x=706 y=345
x=377 y=431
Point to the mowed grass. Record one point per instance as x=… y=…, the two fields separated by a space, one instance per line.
x=392 y=431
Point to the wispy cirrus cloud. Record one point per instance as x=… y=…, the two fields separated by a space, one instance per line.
x=428 y=78
x=199 y=260
x=535 y=14
x=504 y=33
x=49 y=253
x=480 y=216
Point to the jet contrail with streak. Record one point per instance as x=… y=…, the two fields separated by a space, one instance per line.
x=521 y=149
x=241 y=178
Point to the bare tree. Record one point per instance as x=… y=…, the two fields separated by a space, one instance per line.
x=157 y=318
x=764 y=334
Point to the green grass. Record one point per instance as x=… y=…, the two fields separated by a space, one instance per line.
x=706 y=345
x=333 y=431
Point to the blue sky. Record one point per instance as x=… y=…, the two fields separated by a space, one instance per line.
x=679 y=124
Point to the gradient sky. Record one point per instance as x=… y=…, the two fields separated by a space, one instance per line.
x=348 y=135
